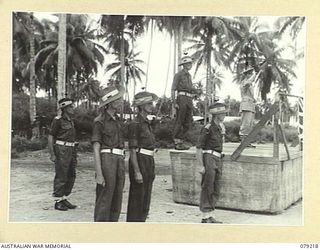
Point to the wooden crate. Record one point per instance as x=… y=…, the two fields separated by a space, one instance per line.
x=255 y=182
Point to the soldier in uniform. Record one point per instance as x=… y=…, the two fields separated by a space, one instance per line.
x=209 y=154
x=141 y=163
x=61 y=144
x=182 y=93
x=108 y=144
x=247 y=105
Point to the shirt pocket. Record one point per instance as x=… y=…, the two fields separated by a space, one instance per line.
x=66 y=125
x=108 y=132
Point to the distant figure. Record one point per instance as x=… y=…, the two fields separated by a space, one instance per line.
x=183 y=102
x=108 y=144
x=247 y=105
x=209 y=157
x=141 y=164
x=61 y=144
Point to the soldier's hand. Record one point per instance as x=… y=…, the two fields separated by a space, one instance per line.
x=100 y=180
x=52 y=158
x=202 y=170
x=138 y=177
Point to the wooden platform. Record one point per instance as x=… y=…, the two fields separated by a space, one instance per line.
x=255 y=181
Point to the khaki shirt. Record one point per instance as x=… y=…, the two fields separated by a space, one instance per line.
x=211 y=138
x=63 y=129
x=108 y=131
x=140 y=134
x=182 y=82
x=247 y=95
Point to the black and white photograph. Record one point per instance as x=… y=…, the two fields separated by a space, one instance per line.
x=171 y=119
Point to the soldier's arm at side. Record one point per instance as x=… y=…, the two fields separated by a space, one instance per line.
x=50 y=147
x=97 y=163
x=200 y=145
x=174 y=87
x=55 y=125
x=133 y=135
x=200 y=161
x=136 y=169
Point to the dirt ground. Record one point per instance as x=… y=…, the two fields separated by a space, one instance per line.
x=31 y=188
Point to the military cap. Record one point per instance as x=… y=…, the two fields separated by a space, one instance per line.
x=65 y=102
x=218 y=108
x=110 y=94
x=143 y=98
x=185 y=59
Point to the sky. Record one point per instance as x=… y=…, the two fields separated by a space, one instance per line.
x=159 y=81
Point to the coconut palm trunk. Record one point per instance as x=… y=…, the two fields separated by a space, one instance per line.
x=32 y=74
x=208 y=99
x=149 y=54
x=61 y=88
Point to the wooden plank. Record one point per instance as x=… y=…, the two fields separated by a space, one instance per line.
x=284 y=141
x=273 y=109
x=275 y=138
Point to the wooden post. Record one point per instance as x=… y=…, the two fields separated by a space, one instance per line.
x=275 y=138
x=252 y=135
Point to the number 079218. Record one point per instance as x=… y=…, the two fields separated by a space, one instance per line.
x=309 y=246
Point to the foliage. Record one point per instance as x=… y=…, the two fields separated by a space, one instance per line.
x=21 y=144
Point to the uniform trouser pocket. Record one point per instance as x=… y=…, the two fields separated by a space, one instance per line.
x=109 y=198
x=210 y=183
x=140 y=193
x=65 y=170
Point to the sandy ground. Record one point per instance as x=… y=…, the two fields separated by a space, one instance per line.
x=31 y=187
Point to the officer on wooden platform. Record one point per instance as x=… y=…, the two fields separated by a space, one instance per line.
x=61 y=144
x=141 y=163
x=182 y=93
x=209 y=157
x=108 y=144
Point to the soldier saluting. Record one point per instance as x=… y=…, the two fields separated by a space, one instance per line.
x=247 y=105
x=61 y=144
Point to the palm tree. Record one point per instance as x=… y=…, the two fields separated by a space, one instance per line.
x=246 y=50
x=294 y=25
x=211 y=44
x=133 y=71
x=62 y=51
x=275 y=69
x=120 y=33
x=24 y=30
x=82 y=53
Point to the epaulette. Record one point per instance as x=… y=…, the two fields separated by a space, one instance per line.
x=99 y=118
x=207 y=126
x=58 y=117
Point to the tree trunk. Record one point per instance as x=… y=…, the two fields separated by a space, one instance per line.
x=208 y=79
x=61 y=88
x=149 y=55
x=180 y=38
x=32 y=74
x=122 y=69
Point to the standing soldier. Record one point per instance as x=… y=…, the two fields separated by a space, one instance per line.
x=209 y=154
x=247 y=105
x=61 y=144
x=141 y=163
x=108 y=144
x=183 y=102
